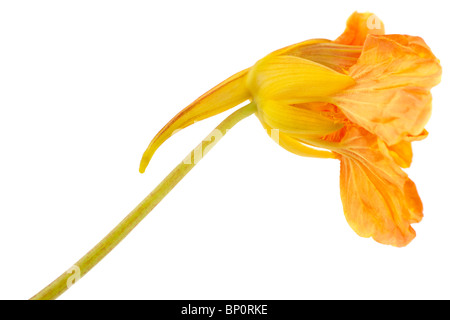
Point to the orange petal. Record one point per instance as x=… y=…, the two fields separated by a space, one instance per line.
x=379 y=199
x=359 y=26
x=391 y=97
x=419 y=137
x=401 y=152
x=222 y=97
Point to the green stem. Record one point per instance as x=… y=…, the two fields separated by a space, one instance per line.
x=96 y=254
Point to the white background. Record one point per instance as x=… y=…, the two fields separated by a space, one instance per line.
x=85 y=85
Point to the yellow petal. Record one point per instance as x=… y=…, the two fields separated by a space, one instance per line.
x=222 y=97
x=294 y=80
x=297 y=147
x=293 y=119
x=294 y=145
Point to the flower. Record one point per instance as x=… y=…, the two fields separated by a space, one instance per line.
x=362 y=99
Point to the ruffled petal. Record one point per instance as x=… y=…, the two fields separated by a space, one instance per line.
x=391 y=97
x=222 y=97
x=359 y=26
x=379 y=199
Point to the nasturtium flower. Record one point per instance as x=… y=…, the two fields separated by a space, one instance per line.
x=361 y=99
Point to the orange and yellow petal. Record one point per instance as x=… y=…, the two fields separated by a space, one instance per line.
x=379 y=199
x=222 y=97
x=359 y=26
x=339 y=57
x=391 y=97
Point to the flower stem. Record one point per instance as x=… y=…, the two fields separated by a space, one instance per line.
x=96 y=254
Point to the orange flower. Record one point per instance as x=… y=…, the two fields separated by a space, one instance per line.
x=362 y=99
